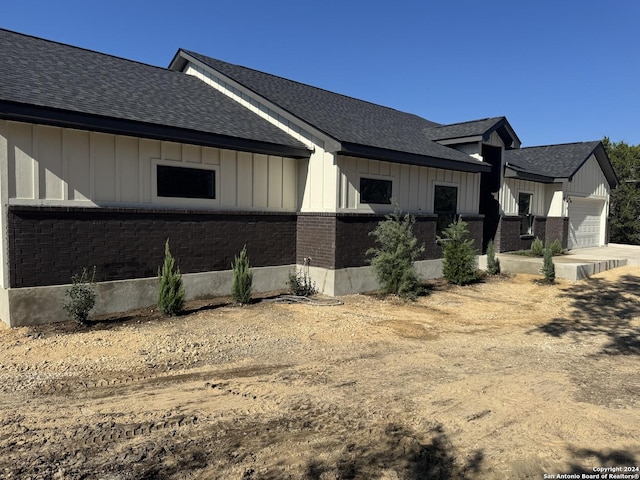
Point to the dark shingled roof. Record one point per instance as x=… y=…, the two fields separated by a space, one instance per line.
x=465 y=129
x=61 y=83
x=558 y=161
x=362 y=128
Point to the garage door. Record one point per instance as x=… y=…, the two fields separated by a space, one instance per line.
x=585 y=223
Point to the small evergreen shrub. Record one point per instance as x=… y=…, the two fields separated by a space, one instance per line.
x=556 y=247
x=493 y=264
x=537 y=247
x=459 y=256
x=171 y=295
x=300 y=284
x=242 y=278
x=548 y=268
x=397 y=248
x=82 y=296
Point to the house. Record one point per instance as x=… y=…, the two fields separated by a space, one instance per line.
x=102 y=159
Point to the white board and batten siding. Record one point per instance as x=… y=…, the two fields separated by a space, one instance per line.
x=412 y=186
x=61 y=166
x=511 y=188
x=589 y=181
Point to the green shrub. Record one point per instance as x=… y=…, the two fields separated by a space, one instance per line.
x=300 y=284
x=396 y=250
x=82 y=296
x=459 y=256
x=171 y=295
x=242 y=278
x=537 y=247
x=493 y=264
x=548 y=268
x=556 y=247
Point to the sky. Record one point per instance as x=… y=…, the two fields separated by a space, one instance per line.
x=561 y=71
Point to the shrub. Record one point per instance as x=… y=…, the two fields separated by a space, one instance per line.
x=82 y=296
x=548 y=268
x=300 y=283
x=493 y=264
x=556 y=247
x=397 y=248
x=459 y=256
x=537 y=247
x=171 y=293
x=242 y=278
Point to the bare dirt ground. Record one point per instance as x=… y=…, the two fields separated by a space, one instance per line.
x=502 y=379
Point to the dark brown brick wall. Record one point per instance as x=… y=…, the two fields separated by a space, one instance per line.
x=47 y=244
x=475 y=223
x=508 y=238
x=558 y=228
x=316 y=239
x=353 y=239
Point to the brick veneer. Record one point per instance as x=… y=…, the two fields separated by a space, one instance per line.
x=316 y=239
x=508 y=238
x=48 y=244
x=558 y=228
x=475 y=224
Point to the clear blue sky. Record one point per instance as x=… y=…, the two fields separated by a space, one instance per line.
x=560 y=71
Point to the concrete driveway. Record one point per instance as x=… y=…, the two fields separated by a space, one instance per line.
x=577 y=264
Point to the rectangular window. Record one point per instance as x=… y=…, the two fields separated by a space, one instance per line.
x=186 y=182
x=445 y=205
x=375 y=191
x=524 y=210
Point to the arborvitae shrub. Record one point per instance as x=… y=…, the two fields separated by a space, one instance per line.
x=82 y=296
x=171 y=295
x=396 y=250
x=548 y=268
x=537 y=248
x=242 y=278
x=493 y=264
x=459 y=256
x=556 y=247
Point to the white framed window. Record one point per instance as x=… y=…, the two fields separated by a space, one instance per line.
x=525 y=202
x=375 y=190
x=445 y=205
x=183 y=184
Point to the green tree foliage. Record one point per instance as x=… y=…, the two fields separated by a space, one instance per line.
x=548 y=268
x=82 y=296
x=493 y=264
x=242 y=278
x=537 y=248
x=625 y=200
x=396 y=250
x=556 y=247
x=171 y=295
x=300 y=283
x=459 y=256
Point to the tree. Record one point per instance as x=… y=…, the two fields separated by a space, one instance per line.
x=82 y=296
x=397 y=248
x=493 y=264
x=459 y=256
x=242 y=278
x=625 y=199
x=548 y=268
x=171 y=293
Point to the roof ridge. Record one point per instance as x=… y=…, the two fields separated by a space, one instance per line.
x=312 y=86
x=469 y=121
x=557 y=145
x=75 y=47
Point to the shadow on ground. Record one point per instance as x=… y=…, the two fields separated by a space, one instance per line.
x=600 y=459
x=601 y=307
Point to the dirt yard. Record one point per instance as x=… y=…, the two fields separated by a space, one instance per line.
x=503 y=379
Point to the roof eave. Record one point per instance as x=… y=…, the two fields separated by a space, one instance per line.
x=511 y=172
x=394 y=156
x=83 y=121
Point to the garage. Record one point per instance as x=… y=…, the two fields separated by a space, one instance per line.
x=586 y=226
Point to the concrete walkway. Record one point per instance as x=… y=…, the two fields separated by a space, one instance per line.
x=577 y=264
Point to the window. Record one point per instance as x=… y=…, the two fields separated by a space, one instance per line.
x=375 y=191
x=524 y=210
x=445 y=205
x=186 y=182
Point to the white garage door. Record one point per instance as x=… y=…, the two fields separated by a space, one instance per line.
x=585 y=223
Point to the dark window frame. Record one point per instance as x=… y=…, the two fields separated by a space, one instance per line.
x=182 y=182
x=447 y=214
x=379 y=191
x=526 y=218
